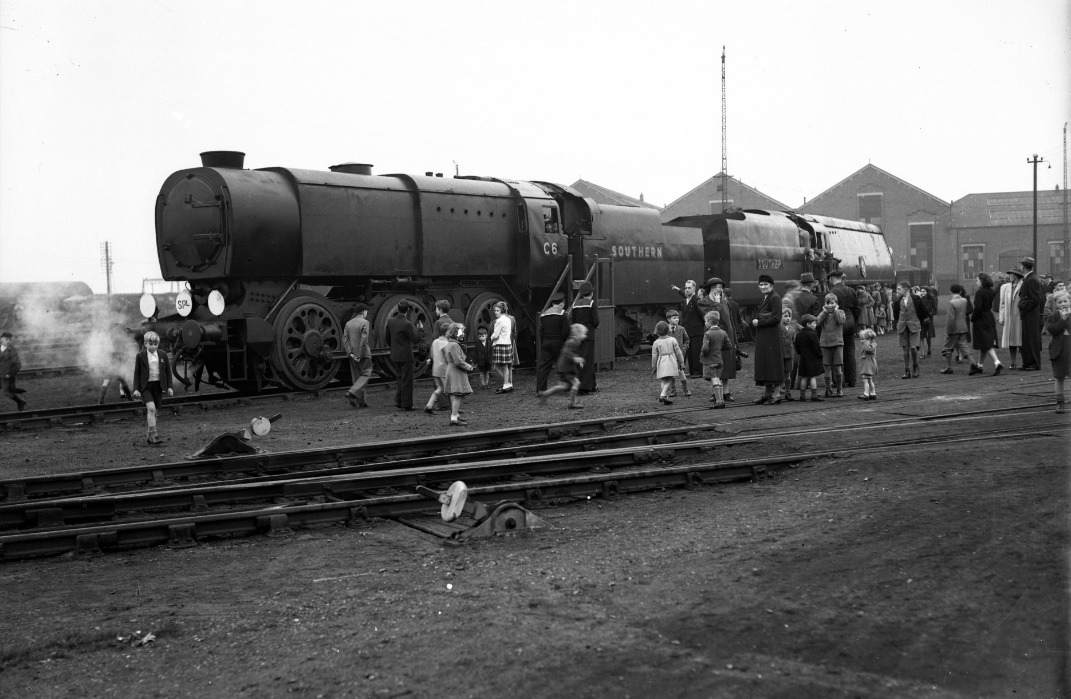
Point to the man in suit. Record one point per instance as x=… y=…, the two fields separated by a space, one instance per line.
x=1030 y=302
x=847 y=302
x=694 y=326
x=403 y=335
x=355 y=342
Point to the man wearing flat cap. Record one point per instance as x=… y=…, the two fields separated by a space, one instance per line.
x=848 y=302
x=1030 y=300
x=1011 y=322
x=585 y=312
x=805 y=301
x=553 y=331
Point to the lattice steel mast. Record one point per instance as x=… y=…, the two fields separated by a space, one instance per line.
x=724 y=155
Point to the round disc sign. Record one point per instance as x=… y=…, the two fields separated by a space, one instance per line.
x=184 y=303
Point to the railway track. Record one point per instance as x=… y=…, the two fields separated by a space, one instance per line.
x=393 y=489
x=81 y=415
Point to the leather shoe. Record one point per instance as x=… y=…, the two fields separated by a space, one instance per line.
x=458 y=423
x=945 y=371
x=429 y=411
x=915 y=371
x=975 y=369
x=762 y=401
x=907 y=375
x=996 y=372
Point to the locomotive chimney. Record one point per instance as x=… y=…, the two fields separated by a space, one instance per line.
x=223 y=158
x=429 y=173
x=352 y=168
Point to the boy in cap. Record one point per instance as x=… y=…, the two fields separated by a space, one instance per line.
x=9 y=367
x=673 y=317
x=553 y=330
x=809 y=349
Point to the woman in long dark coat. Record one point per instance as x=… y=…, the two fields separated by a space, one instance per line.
x=769 y=365
x=984 y=324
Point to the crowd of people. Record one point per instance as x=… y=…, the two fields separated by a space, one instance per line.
x=798 y=338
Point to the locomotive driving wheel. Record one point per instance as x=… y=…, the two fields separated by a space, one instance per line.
x=418 y=314
x=306 y=333
x=482 y=312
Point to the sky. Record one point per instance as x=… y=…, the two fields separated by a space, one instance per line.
x=100 y=100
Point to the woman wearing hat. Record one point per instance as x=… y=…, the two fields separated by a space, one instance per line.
x=769 y=365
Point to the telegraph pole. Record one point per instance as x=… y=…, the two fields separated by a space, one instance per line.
x=106 y=263
x=1035 y=161
x=724 y=155
x=1066 y=256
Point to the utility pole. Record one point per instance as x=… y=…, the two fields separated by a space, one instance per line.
x=1035 y=161
x=724 y=154
x=106 y=263
x=1065 y=258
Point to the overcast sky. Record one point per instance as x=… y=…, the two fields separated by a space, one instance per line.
x=101 y=100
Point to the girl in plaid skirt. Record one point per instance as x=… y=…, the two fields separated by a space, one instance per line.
x=502 y=347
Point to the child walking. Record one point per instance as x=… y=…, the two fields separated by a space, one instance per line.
x=715 y=341
x=808 y=346
x=831 y=322
x=456 y=380
x=569 y=364
x=152 y=376
x=666 y=360
x=438 y=364
x=789 y=328
x=673 y=318
x=868 y=362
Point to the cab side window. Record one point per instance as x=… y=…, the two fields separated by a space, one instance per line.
x=551 y=224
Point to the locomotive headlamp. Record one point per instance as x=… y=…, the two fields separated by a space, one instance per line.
x=147 y=306
x=184 y=303
x=216 y=302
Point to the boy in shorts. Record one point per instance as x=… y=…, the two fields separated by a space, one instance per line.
x=569 y=362
x=831 y=326
x=715 y=341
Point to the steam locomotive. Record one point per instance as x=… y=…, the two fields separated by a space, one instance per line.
x=276 y=258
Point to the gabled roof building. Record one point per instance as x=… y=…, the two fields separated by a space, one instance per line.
x=708 y=198
x=914 y=221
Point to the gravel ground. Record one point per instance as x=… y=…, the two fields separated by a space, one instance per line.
x=938 y=571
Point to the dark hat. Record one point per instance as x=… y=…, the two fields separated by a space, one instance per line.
x=1016 y=272
x=712 y=281
x=403 y=306
x=558 y=298
x=807 y=318
x=1029 y=261
x=585 y=289
x=838 y=272
x=806 y=278
x=765 y=278
x=673 y=312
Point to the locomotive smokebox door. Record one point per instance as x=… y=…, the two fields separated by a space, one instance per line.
x=191 y=205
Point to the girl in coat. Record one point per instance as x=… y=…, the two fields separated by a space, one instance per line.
x=809 y=349
x=868 y=362
x=985 y=326
x=1058 y=323
x=502 y=347
x=666 y=360
x=456 y=380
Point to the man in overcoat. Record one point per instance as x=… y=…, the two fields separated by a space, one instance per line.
x=847 y=302
x=692 y=322
x=1030 y=302
x=769 y=363
x=403 y=335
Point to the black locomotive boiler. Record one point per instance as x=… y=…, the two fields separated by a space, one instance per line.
x=275 y=259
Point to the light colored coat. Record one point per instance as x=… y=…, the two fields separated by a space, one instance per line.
x=957 y=315
x=1008 y=315
x=666 y=357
